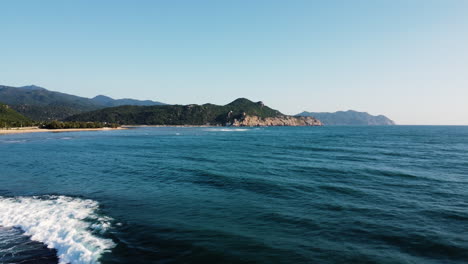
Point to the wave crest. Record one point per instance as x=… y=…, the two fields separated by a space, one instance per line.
x=227 y=129
x=67 y=224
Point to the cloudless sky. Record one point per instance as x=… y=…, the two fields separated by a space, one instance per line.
x=405 y=59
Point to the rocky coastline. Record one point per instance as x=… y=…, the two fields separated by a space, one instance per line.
x=249 y=120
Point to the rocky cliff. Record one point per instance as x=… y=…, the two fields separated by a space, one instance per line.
x=249 y=120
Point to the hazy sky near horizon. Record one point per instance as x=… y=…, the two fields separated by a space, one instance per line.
x=405 y=59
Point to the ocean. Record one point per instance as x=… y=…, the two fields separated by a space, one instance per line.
x=395 y=194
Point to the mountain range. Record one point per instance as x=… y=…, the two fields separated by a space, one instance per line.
x=349 y=118
x=41 y=104
x=110 y=102
x=240 y=112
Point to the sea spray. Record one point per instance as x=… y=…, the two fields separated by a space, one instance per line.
x=67 y=224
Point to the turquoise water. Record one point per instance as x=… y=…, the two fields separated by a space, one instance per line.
x=219 y=195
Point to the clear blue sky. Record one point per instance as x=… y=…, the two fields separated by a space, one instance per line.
x=405 y=59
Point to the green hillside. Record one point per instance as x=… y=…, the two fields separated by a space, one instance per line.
x=207 y=114
x=41 y=104
x=11 y=118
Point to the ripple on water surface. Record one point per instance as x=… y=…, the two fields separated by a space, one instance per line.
x=224 y=195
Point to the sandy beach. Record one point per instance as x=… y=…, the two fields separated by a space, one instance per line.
x=38 y=130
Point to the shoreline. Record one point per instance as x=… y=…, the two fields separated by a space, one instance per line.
x=40 y=130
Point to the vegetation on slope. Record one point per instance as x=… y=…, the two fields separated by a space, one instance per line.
x=11 y=118
x=207 y=114
x=41 y=104
x=71 y=125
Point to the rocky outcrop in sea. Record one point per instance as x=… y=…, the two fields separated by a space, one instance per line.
x=249 y=120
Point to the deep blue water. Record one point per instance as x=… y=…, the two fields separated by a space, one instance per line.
x=257 y=195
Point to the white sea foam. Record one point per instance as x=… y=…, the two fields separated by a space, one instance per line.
x=227 y=129
x=14 y=141
x=67 y=224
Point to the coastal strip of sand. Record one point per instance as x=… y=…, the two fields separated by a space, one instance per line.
x=36 y=130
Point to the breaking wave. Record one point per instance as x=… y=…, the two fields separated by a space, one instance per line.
x=69 y=225
x=227 y=129
x=12 y=141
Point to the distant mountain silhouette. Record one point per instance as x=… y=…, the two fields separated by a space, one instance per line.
x=350 y=118
x=39 y=103
x=110 y=102
x=32 y=87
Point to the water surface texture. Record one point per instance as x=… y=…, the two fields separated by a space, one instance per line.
x=223 y=195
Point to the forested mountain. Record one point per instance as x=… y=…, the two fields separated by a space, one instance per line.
x=39 y=103
x=207 y=114
x=11 y=118
x=177 y=114
x=349 y=118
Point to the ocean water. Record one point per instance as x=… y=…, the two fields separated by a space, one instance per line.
x=222 y=195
